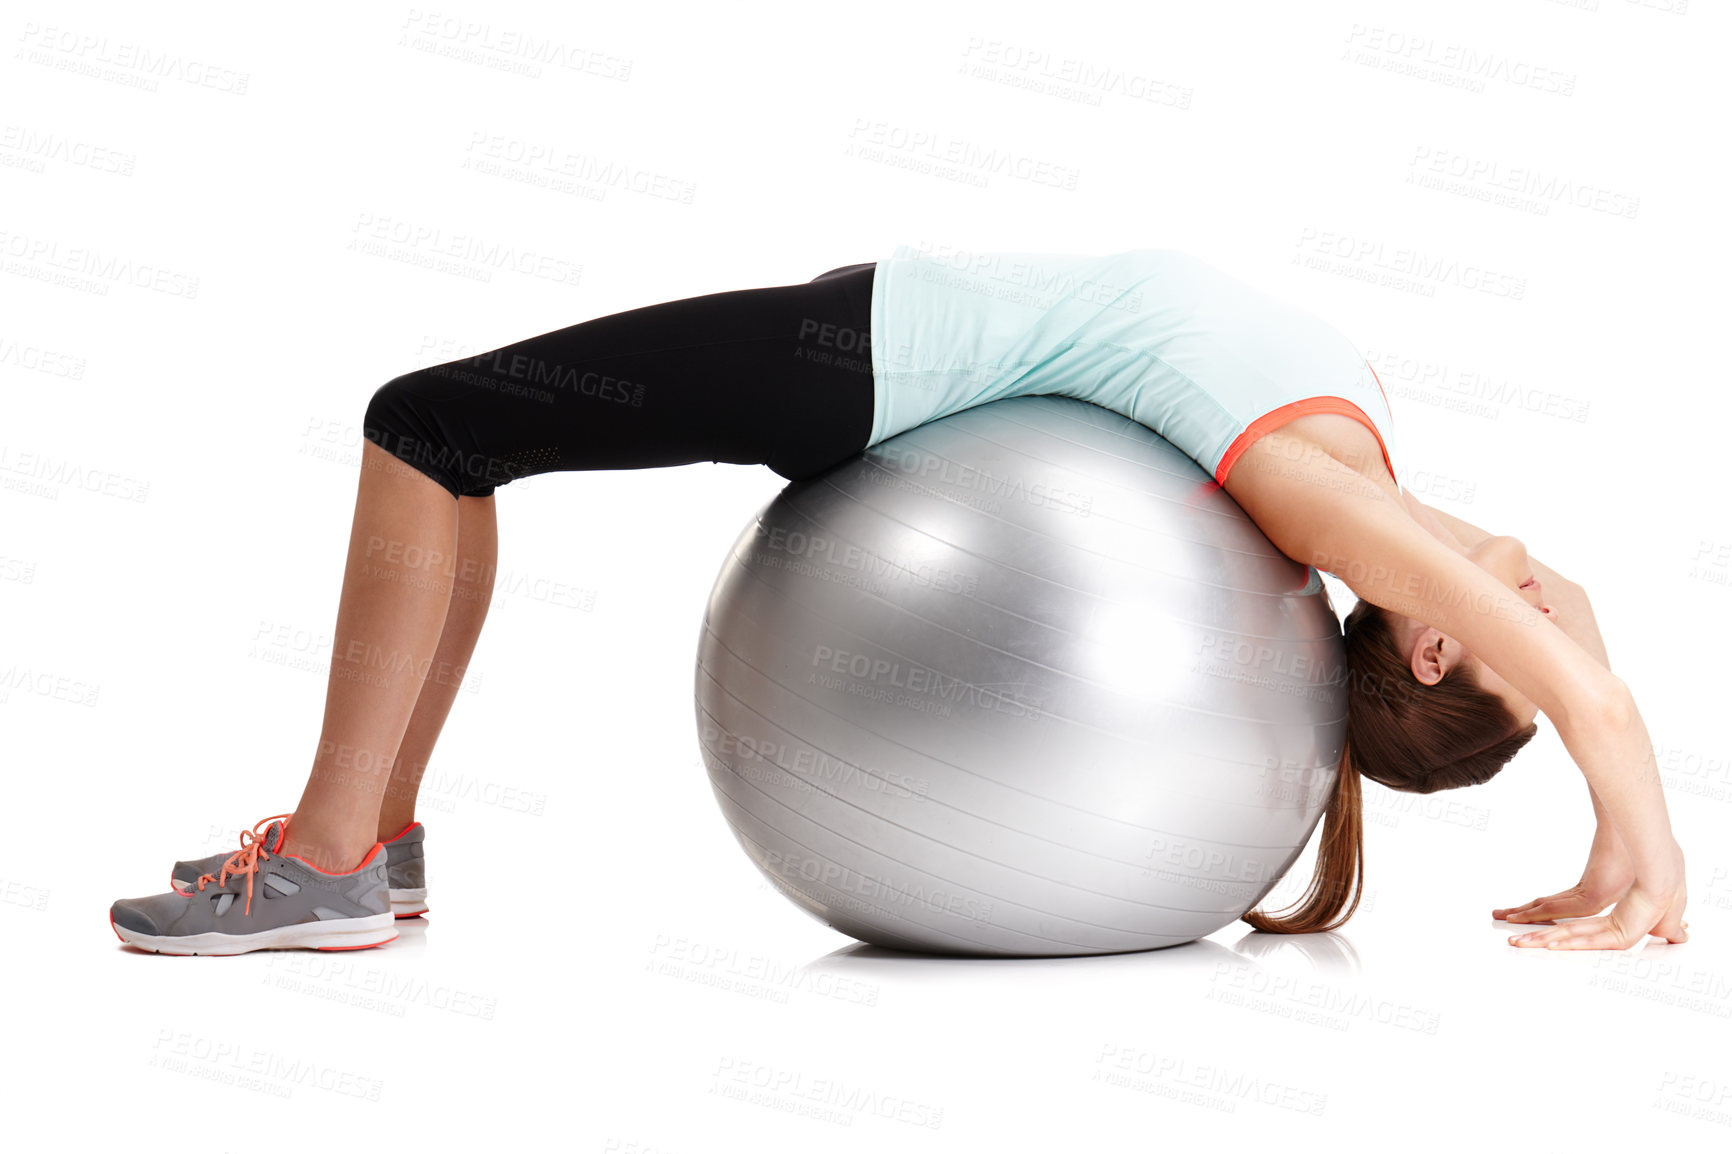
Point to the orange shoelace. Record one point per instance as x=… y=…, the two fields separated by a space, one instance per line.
x=246 y=859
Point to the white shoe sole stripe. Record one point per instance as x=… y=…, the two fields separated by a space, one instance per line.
x=344 y=933
x=407 y=903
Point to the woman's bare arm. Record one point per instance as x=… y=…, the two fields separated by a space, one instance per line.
x=1558 y=588
x=1573 y=614
x=1332 y=518
x=1386 y=557
x=1323 y=513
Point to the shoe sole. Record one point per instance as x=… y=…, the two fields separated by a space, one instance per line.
x=409 y=903
x=336 y=934
x=404 y=903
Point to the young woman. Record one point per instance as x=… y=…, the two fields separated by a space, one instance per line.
x=1458 y=642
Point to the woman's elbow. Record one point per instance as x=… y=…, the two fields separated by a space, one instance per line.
x=1615 y=706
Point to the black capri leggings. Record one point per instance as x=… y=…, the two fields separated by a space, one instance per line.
x=777 y=376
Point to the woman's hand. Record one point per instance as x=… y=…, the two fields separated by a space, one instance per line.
x=1653 y=905
x=1579 y=901
x=1607 y=877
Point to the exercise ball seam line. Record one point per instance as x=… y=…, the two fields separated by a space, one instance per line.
x=872 y=458
x=733 y=556
x=820 y=707
x=773 y=878
x=960 y=769
x=1313 y=578
x=926 y=491
x=733 y=772
x=1313 y=574
x=1195 y=711
x=816 y=856
x=930 y=929
x=748 y=570
x=961 y=886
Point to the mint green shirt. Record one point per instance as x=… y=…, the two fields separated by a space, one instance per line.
x=1205 y=360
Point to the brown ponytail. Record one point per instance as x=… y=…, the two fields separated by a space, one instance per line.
x=1340 y=868
x=1401 y=734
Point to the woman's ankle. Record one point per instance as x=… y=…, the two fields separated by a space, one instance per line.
x=391 y=828
x=330 y=851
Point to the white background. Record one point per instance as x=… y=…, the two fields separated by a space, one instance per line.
x=1516 y=207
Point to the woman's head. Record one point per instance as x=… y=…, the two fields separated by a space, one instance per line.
x=1423 y=714
x=1406 y=650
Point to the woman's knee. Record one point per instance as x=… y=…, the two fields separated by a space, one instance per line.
x=407 y=417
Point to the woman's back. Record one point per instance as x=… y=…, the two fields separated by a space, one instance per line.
x=1207 y=361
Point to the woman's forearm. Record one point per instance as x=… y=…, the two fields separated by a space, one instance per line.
x=1620 y=767
x=1575 y=616
x=1632 y=829
x=1643 y=808
x=1617 y=758
x=1466 y=536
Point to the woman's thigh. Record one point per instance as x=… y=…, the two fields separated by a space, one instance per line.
x=779 y=376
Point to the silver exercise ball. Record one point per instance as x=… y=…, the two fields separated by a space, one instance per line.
x=1021 y=681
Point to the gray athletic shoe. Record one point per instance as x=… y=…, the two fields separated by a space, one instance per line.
x=260 y=899
x=405 y=865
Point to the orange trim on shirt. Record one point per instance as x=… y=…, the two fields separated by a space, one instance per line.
x=1275 y=418
x=1380 y=387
